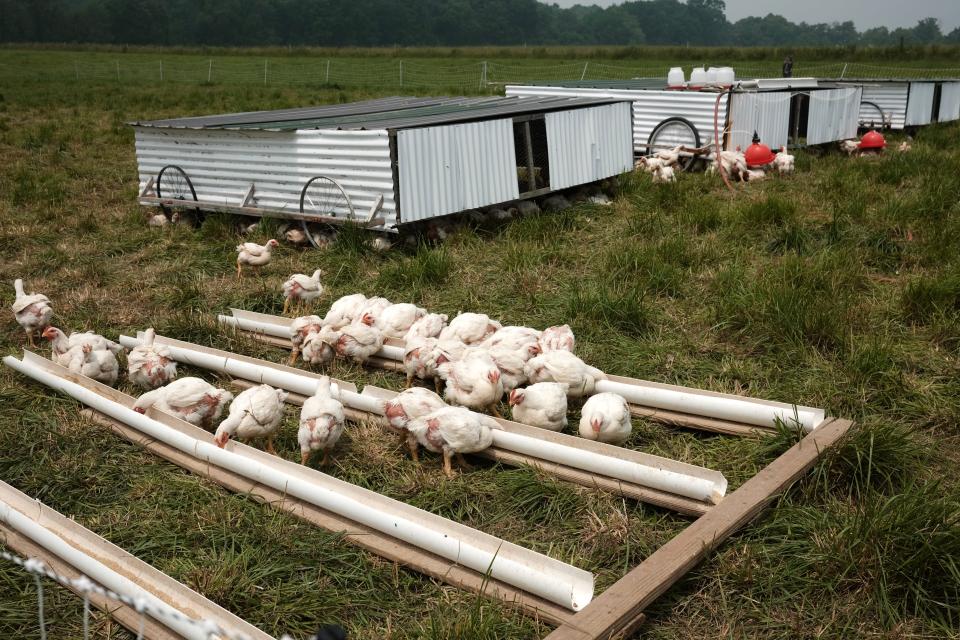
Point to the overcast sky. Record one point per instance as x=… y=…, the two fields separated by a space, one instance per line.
x=864 y=13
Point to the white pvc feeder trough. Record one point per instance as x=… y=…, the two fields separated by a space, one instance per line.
x=535 y=573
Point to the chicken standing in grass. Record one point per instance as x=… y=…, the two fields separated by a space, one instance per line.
x=150 y=366
x=453 y=431
x=541 y=405
x=372 y=310
x=302 y=289
x=558 y=337
x=563 y=366
x=408 y=405
x=422 y=358
x=300 y=329
x=470 y=328
x=511 y=356
x=345 y=310
x=394 y=321
x=473 y=381
x=33 y=312
x=429 y=326
x=255 y=414
x=315 y=350
x=321 y=421
x=254 y=255
x=191 y=399
x=60 y=344
x=101 y=365
x=783 y=162
x=606 y=417
x=357 y=341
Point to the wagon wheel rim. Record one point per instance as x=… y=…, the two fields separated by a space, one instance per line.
x=672 y=133
x=324 y=197
x=173 y=183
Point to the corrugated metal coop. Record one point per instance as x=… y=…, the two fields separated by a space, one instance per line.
x=386 y=162
x=803 y=110
x=898 y=104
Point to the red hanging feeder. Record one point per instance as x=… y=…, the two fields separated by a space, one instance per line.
x=872 y=141
x=757 y=154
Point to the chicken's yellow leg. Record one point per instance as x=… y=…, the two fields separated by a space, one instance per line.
x=304 y=457
x=286 y=305
x=412 y=445
x=293 y=357
x=269 y=447
x=447 y=468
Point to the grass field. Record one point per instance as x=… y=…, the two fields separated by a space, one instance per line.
x=837 y=287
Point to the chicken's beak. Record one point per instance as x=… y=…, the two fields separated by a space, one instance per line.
x=596 y=423
x=368 y=320
x=47 y=333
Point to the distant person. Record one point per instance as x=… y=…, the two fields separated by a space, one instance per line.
x=788 y=67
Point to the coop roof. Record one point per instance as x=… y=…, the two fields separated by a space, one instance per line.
x=385 y=113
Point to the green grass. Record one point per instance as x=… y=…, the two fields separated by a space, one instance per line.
x=836 y=287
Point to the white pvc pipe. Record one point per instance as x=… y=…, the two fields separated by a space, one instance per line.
x=721 y=408
x=99 y=573
x=537 y=574
x=387 y=351
x=702 y=489
x=744 y=411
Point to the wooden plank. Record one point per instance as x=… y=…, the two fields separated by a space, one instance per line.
x=680 y=504
x=618 y=610
x=256 y=211
x=359 y=535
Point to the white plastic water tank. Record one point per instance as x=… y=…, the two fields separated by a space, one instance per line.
x=712 y=75
x=698 y=77
x=726 y=76
x=675 y=78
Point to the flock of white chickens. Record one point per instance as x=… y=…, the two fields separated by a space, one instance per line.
x=662 y=165
x=473 y=359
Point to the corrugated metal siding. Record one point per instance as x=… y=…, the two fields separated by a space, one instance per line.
x=650 y=108
x=834 y=115
x=950 y=102
x=453 y=168
x=766 y=113
x=889 y=96
x=920 y=104
x=585 y=145
x=222 y=164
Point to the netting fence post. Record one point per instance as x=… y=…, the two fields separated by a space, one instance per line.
x=584 y=74
x=210 y=71
x=118 y=71
x=401 y=74
x=265 y=71
x=327 y=80
x=161 y=70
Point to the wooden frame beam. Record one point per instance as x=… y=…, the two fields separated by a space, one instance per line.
x=259 y=212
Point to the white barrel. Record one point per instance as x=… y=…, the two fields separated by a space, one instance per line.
x=726 y=76
x=698 y=78
x=676 y=78
x=712 y=75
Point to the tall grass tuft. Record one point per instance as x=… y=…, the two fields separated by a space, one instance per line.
x=925 y=298
x=625 y=309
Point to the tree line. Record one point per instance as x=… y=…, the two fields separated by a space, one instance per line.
x=379 y=23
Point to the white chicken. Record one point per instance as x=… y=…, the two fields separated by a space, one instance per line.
x=541 y=405
x=557 y=337
x=453 y=431
x=372 y=309
x=60 y=344
x=357 y=341
x=670 y=157
x=321 y=421
x=664 y=175
x=101 y=365
x=255 y=414
x=428 y=326
x=394 y=321
x=606 y=417
x=315 y=350
x=150 y=366
x=473 y=381
x=33 y=312
x=300 y=329
x=191 y=399
x=254 y=255
x=783 y=162
x=344 y=310
x=470 y=328
x=753 y=175
x=408 y=405
x=302 y=288
x=563 y=366
x=905 y=146
x=422 y=358
x=650 y=164
x=511 y=358
x=516 y=336
x=733 y=163
x=850 y=147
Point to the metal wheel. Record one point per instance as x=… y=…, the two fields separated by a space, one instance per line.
x=871 y=114
x=323 y=197
x=671 y=133
x=174 y=184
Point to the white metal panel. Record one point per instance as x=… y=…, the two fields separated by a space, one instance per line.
x=222 y=164
x=949 y=102
x=768 y=114
x=650 y=108
x=457 y=167
x=889 y=96
x=920 y=103
x=586 y=145
x=834 y=115
x=787 y=83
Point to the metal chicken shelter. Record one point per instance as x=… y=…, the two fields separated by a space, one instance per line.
x=777 y=109
x=899 y=104
x=382 y=163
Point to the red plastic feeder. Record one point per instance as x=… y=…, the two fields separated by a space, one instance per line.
x=872 y=141
x=757 y=154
